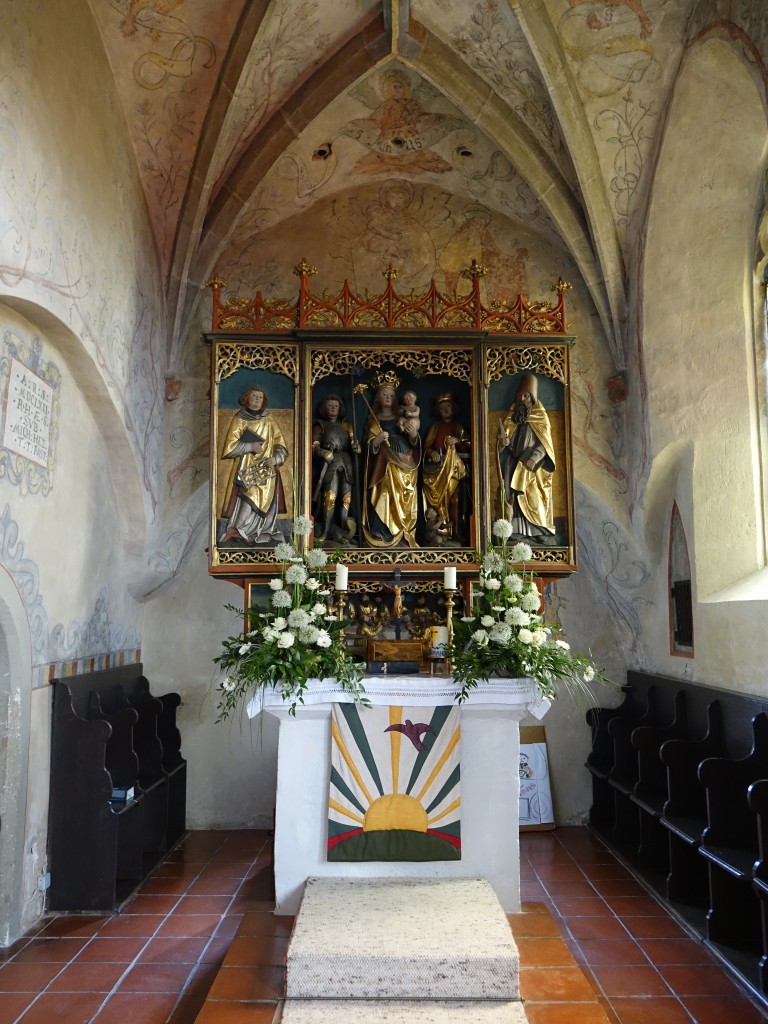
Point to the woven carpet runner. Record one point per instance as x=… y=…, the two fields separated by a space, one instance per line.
x=401 y=950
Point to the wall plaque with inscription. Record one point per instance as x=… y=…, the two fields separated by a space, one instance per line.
x=28 y=415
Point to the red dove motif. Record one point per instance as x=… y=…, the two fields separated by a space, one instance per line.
x=414 y=731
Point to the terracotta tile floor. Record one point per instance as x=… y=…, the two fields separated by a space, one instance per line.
x=199 y=942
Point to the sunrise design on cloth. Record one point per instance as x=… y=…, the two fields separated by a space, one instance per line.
x=394 y=792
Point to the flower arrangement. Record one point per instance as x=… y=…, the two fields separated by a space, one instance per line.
x=298 y=640
x=506 y=634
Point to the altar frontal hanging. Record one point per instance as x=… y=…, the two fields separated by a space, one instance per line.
x=395 y=784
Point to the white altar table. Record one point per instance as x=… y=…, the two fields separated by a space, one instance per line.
x=490 y=782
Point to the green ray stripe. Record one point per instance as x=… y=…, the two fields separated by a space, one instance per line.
x=337 y=828
x=352 y=718
x=343 y=788
x=450 y=783
x=437 y=722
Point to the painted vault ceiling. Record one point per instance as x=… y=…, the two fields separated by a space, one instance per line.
x=403 y=129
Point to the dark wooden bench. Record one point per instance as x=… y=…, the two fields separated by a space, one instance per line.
x=677 y=773
x=110 y=732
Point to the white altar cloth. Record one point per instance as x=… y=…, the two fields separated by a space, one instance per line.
x=490 y=784
x=418 y=690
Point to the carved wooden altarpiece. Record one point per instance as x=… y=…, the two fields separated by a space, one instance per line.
x=324 y=350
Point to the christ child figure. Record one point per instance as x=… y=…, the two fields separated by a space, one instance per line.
x=409 y=413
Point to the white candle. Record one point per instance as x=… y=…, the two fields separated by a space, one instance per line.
x=449 y=577
x=341 y=576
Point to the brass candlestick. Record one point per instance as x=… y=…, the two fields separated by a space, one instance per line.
x=449 y=623
x=341 y=596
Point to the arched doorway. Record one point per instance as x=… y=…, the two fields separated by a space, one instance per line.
x=15 y=701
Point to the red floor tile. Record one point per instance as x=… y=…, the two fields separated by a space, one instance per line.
x=631 y=981
x=653 y=928
x=137 y=1008
x=533 y=926
x=655 y=1011
x=173 y=950
x=613 y=953
x=13 y=1004
x=27 y=977
x=49 y=951
x=237 y=1013
x=582 y=907
x=188 y=1010
x=153 y=903
x=596 y=928
x=156 y=978
x=112 y=950
x=566 y=1013
x=248 y=983
x=544 y=952
x=722 y=1009
x=698 y=981
x=676 y=951
x=88 y=977
x=189 y=926
x=67 y=1008
x=203 y=905
x=74 y=926
x=555 y=984
x=130 y=925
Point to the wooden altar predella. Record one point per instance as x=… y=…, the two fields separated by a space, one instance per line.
x=304 y=356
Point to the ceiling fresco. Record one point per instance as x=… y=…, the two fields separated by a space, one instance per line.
x=404 y=131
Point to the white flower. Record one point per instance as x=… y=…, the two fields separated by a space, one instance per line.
x=589 y=674
x=280 y=623
x=564 y=644
x=467 y=618
x=492 y=562
x=302 y=526
x=323 y=638
x=245 y=648
x=298 y=618
x=480 y=637
x=317 y=558
x=228 y=684
x=319 y=609
x=502 y=529
x=295 y=574
x=270 y=633
x=521 y=552
x=501 y=633
x=284 y=551
x=492 y=584
x=275 y=583
x=312 y=583
x=539 y=637
x=323 y=593
x=286 y=639
x=308 y=634
x=531 y=601
x=517 y=617
x=513 y=583
x=525 y=636
x=281 y=599
x=487 y=620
